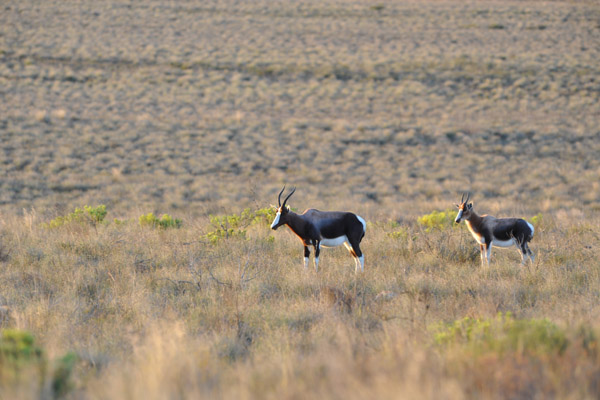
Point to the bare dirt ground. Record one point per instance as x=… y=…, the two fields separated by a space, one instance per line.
x=211 y=106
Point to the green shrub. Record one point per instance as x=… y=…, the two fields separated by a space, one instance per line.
x=97 y=213
x=62 y=382
x=17 y=347
x=18 y=353
x=149 y=220
x=394 y=230
x=93 y=215
x=225 y=227
x=401 y=234
x=536 y=220
x=439 y=220
x=503 y=334
x=229 y=226
x=264 y=215
x=164 y=222
x=21 y=360
x=76 y=216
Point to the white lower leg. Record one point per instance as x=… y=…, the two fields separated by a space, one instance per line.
x=316 y=264
x=305 y=262
x=361 y=260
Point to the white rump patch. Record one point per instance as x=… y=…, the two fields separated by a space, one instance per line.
x=276 y=220
x=363 y=222
x=334 y=242
x=531 y=227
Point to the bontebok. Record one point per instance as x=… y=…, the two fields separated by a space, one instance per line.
x=323 y=228
x=498 y=232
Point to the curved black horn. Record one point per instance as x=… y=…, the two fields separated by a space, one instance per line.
x=288 y=196
x=462 y=199
x=468 y=197
x=279 y=197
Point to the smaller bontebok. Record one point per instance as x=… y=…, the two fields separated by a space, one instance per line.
x=323 y=228
x=498 y=232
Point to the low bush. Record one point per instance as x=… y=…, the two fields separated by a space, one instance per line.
x=234 y=225
x=437 y=220
x=164 y=222
x=536 y=220
x=89 y=214
x=62 y=381
x=96 y=214
x=23 y=363
x=503 y=334
x=19 y=357
x=18 y=347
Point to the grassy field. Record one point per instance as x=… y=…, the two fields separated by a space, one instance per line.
x=389 y=109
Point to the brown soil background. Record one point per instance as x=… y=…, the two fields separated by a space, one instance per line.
x=391 y=108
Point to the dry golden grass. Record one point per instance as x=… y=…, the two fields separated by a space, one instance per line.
x=154 y=313
x=389 y=109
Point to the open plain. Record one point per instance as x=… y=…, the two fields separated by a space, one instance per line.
x=388 y=109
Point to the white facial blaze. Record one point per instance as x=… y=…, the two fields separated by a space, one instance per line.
x=276 y=220
x=458 y=216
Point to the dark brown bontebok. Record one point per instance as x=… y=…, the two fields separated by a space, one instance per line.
x=498 y=232
x=323 y=228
